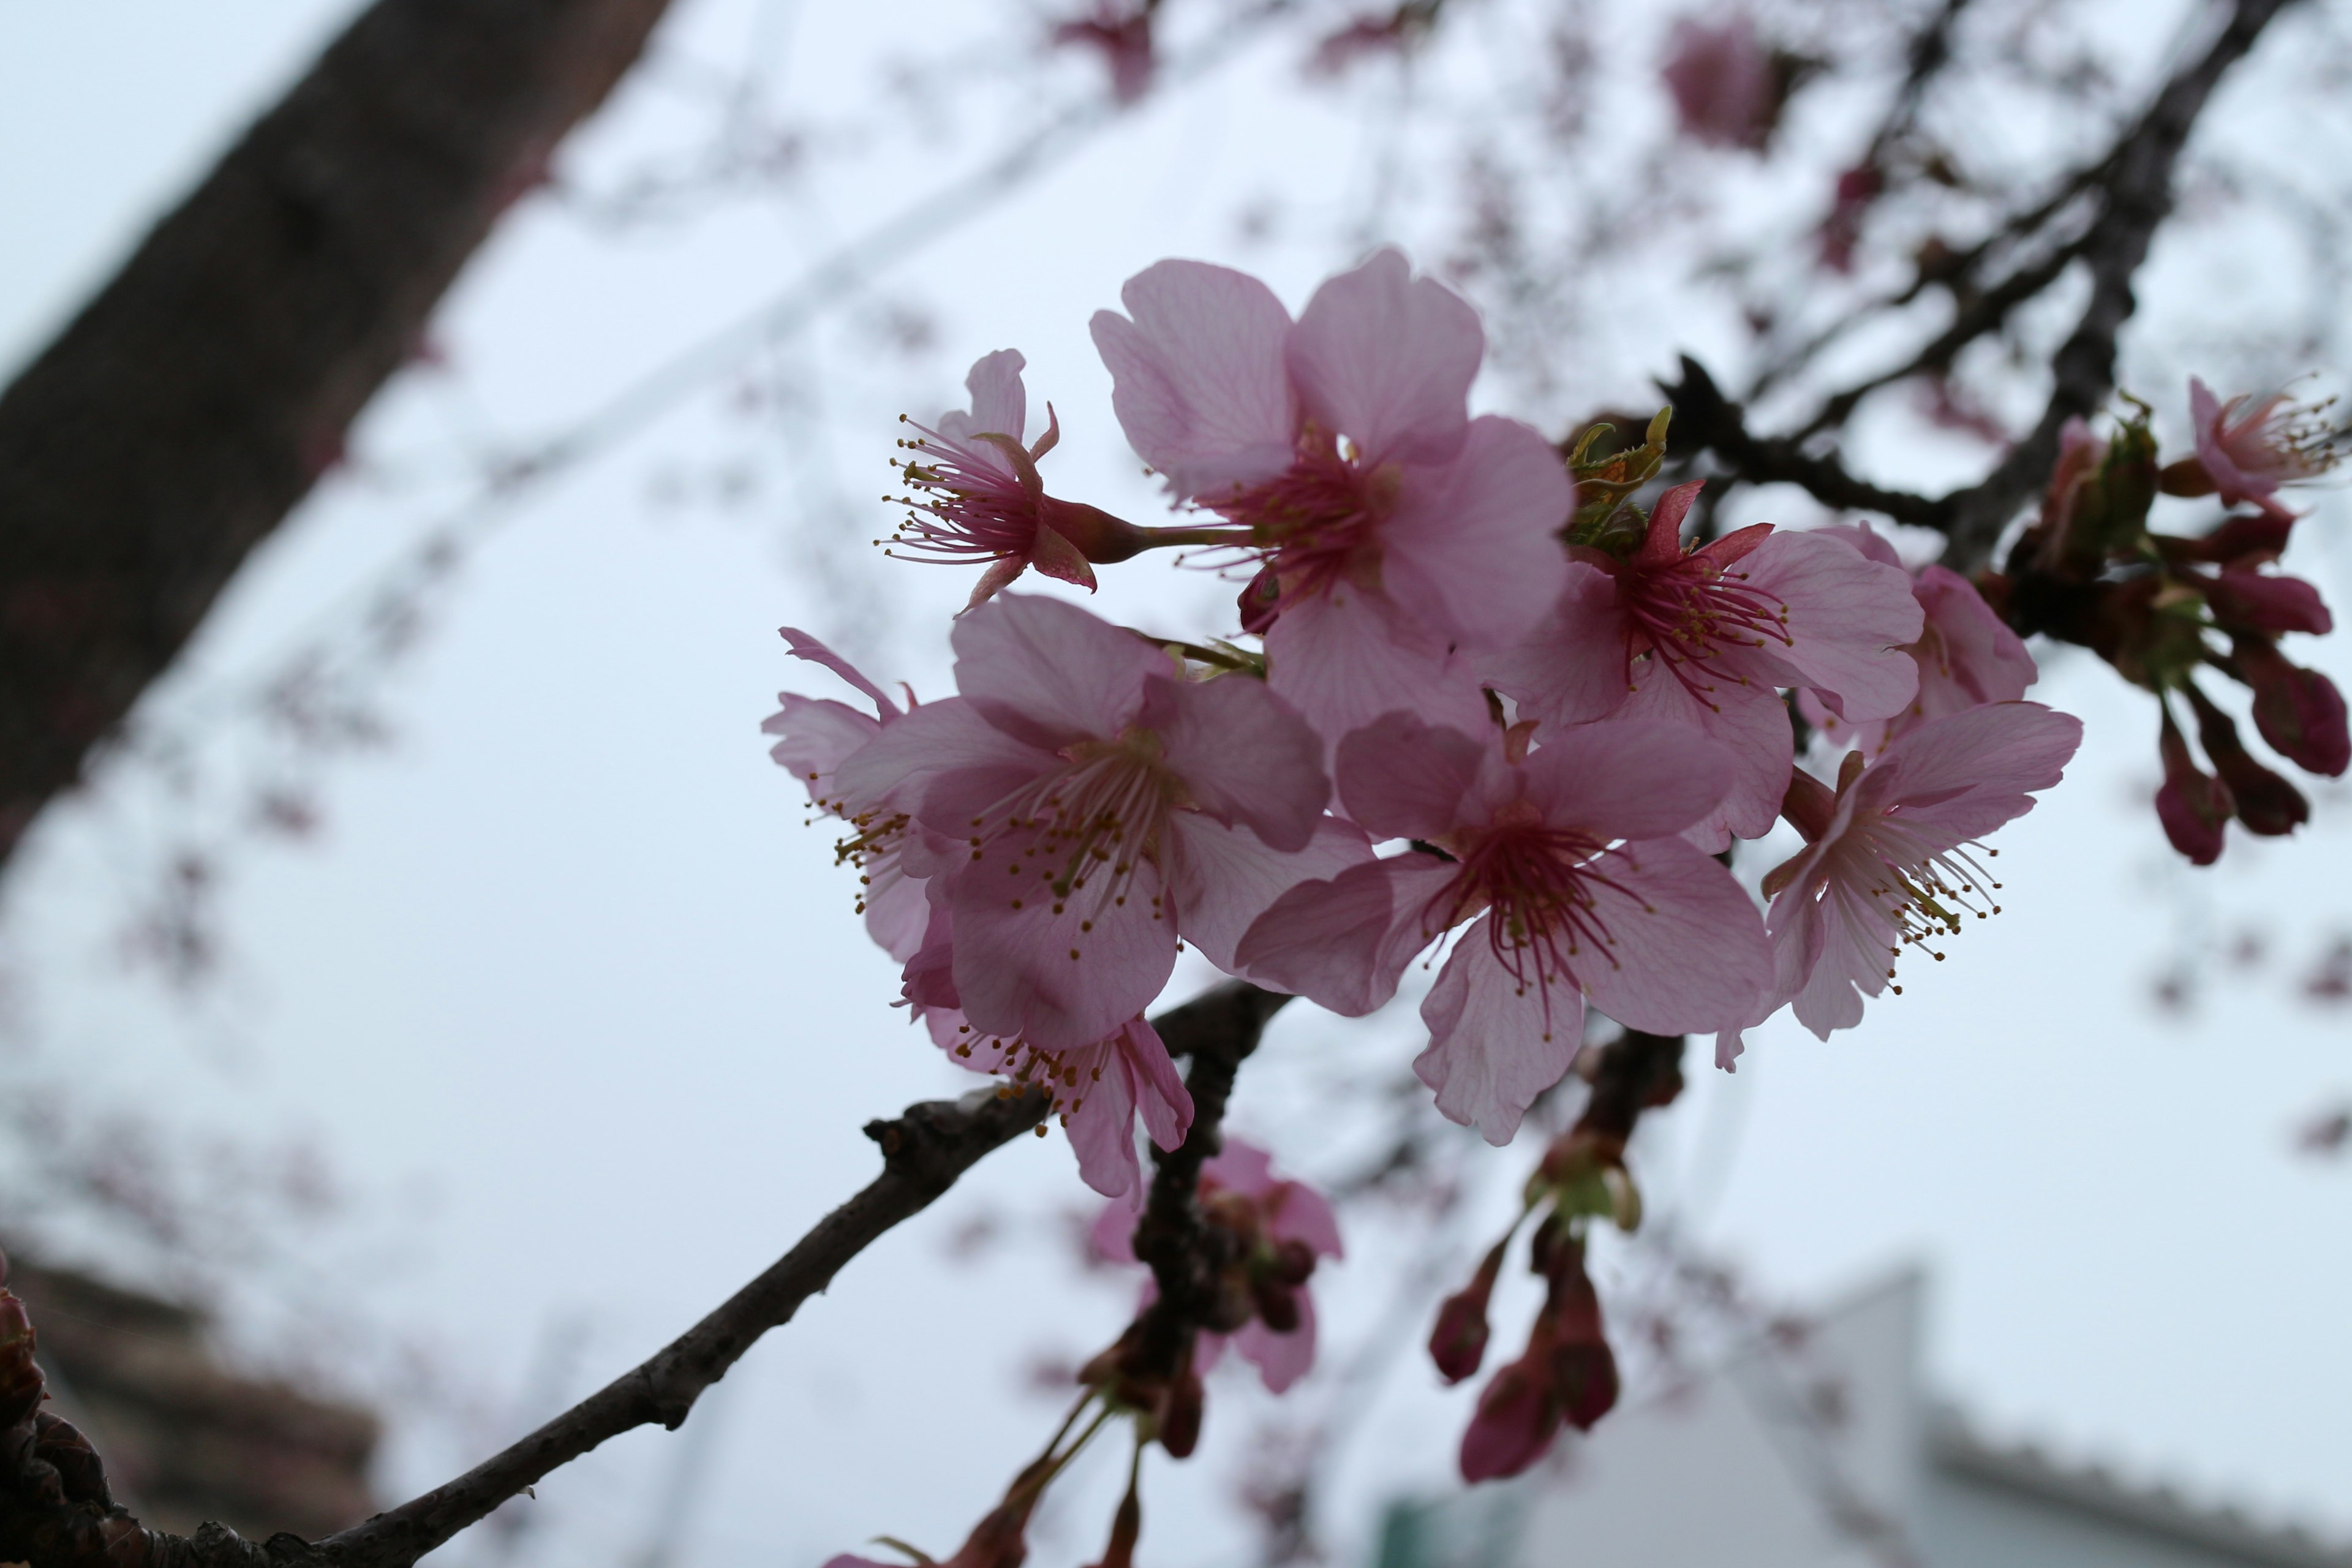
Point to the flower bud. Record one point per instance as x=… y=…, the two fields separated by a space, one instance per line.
x=2265 y=802
x=1515 y=1424
x=2256 y=601
x=1293 y=1261
x=1277 y=1305
x=2298 y=711
x=2193 y=808
x=1458 y=1341
x=1261 y=601
x=1179 y=1416
x=1584 y=1382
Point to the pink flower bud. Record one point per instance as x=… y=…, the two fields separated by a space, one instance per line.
x=2265 y=802
x=1515 y=1421
x=2299 y=711
x=2193 y=808
x=1459 y=1343
x=2255 y=601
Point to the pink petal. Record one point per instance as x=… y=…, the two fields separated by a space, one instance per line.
x=1102 y=1129
x=1855 y=941
x=1241 y=1166
x=898 y=907
x=1197 y=377
x=1752 y=727
x=943 y=756
x=2205 y=416
x=1967 y=773
x=815 y=736
x=1000 y=404
x=1873 y=544
x=1302 y=1214
x=805 y=646
x=1472 y=546
x=1571 y=669
x=1281 y=1359
x=1344 y=943
x=1014 y=968
x=1222 y=878
x=1386 y=359
x=1687 y=953
x=1849 y=621
x=1402 y=778
x=1112 y=1235
x=1627 y=778
x=1495 y=1046
x=1975 y=657
x=1344 y=659
x=1049 y=672
x=1160 y=1093
x=1245 y=755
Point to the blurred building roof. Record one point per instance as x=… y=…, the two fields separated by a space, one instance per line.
x=184 y=1439
x=1826 y=1452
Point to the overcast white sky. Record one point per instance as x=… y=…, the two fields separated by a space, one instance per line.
x=576 y=1003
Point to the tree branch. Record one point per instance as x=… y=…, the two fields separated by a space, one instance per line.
x=1217 y=1031
x=2135 y=195
x=2139 y=197
x=179 y=417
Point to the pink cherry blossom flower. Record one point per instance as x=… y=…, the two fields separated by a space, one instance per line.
x=1891 y=862
x=1397 y=534
x=1722 y=81
x=1966 y=655
x=979 y=496
x=1707 y=637
x=814 y=737
x=1085 y=807
x=1099 y=1091
x=1289 y=1219
x=1564 y=864
x=2249 y=448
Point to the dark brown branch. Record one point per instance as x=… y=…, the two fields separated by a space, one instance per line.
x=1705 y=419
x=2135 y=195
x=2138 y=198
x=1217 y=1031
x=1981 y=314
x=178 y=418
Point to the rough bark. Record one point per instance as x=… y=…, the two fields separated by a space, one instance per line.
x=181 y=415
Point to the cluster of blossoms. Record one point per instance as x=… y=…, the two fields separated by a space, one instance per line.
x=1500 y=713
x=2165 y=608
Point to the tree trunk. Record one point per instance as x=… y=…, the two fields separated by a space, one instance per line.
x=185 y=410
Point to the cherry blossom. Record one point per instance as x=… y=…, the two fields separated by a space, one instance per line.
x=2250 y=447
x=814 y=737
x=1706 y=636
x=1967 y=656
x=1085 y=807
x=1564 y=864
x=1397 y=534
x=1891 y=860
x=1099 y=1091
x=1286 y=1227
x=979 y=496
